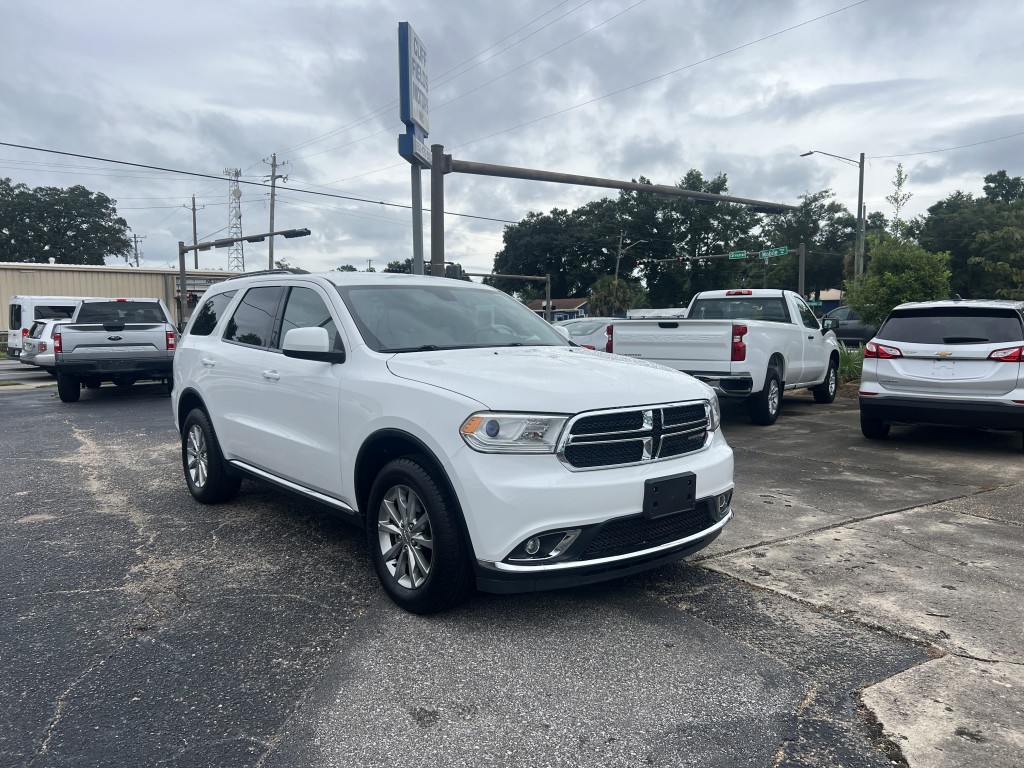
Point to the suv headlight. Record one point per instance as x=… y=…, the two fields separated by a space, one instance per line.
x=714 y=414
x=512 y=432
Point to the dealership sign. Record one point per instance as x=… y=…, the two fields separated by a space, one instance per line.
x=413 y=92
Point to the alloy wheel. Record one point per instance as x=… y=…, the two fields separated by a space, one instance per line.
x=404 y=536
x=198 y=457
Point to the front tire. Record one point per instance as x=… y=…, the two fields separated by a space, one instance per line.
x=203 y=462
x=873 y=428
x=415 y=541
x=826 y=391
x=68 y=388
x=764 y=405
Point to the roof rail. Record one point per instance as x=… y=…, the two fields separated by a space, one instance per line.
x=282 y=271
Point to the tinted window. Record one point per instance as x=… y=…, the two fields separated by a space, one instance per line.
x=120 y=312
x=843 y=313
x=953 y=325
x=54 y=311
x=737 y=308
x=15 y=319
x=210 y=313
x=253 y=321
x=585 y=328
x=305 y=309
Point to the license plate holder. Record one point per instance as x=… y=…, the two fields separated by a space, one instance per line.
x=669 y=495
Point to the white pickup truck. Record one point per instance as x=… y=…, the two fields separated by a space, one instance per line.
x=746 y=343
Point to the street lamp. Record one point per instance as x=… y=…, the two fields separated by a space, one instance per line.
x=618 y=256
x=858 y=254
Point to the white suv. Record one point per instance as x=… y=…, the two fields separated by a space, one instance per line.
x=469 y=438
x=956 y=362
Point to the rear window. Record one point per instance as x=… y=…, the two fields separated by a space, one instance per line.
x=54 y=311
x=120 y=312
x=36 y=331
x=585 y=329
x=953 y=325
x=766 y=308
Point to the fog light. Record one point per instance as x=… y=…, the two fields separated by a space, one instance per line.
x=533 y=546
x=722 y=502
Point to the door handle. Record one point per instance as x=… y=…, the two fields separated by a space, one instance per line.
x=272 y=375
x=209 y=362
x=811 y=337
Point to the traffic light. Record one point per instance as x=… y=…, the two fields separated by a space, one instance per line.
x=192 y=299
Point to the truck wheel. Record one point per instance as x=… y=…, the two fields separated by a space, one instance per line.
x=873 y=428
x=203 y=462
x=764 y=405
x=826 y=391
x=417 y=548
x=68 y=388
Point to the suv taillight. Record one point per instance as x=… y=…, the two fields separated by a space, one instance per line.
x=1009 y=355
x=172 y=340
x=608 y=344
x=739 y=349
x=881 y=351
x=24 y=333
x=57 y=348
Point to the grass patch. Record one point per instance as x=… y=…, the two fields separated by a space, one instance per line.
x=9 y=383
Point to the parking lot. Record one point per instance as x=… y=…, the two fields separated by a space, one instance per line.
x=862 y=609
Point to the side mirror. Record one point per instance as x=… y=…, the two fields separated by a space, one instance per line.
x=829 y=324
x=311 y=344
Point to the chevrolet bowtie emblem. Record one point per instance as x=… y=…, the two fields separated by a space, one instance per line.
x=945 y=354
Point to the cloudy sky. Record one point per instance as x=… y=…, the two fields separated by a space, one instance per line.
x=608 y=88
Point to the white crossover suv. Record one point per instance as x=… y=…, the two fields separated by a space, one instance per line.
x=956 y=362
x=450 y=422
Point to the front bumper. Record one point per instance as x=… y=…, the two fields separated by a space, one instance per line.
x=507 y=499
x=958 y=413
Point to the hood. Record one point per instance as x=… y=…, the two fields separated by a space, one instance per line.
x=547 y=379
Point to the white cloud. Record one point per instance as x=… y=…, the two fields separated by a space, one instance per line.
x=205 y=86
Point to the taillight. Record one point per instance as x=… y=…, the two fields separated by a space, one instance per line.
x=739 y=349
x=172 y=340
x=42 y=346
x=24 y=333
x=1009 y=355
x=608 y=344
x=57 y=348
x=740 y=292
x=881 y=351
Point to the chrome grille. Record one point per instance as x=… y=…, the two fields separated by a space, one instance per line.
x=630 y=436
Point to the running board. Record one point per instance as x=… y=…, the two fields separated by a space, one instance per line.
x=294 y=487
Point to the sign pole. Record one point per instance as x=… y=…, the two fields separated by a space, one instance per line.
x=417 y=219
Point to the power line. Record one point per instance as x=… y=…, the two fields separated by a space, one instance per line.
x=947 y=149
x=251 y=183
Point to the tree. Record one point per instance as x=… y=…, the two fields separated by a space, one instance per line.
x=898 y=199
x=453 y=271
x=345 y=268
x=71 y=226
x=899 y=271
x=611 y=298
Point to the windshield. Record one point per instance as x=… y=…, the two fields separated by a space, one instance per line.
x=953 y=325
x=411 y=318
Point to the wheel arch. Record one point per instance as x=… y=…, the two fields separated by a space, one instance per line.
x=189 y=400
x=388 y=444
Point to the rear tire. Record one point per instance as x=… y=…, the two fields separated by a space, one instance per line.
x=873 y=428
x=415 y=540
x=764 y=405
x=68 y=388
x=203 y=461
x=826 y=391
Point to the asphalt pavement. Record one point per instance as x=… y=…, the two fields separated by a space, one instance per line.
x=861 y=610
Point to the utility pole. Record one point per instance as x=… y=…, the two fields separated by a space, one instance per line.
x=274 y=176
x=136 y=238
x=195 y=234
x=858 y=256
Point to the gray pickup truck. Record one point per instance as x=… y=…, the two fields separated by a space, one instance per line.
x=118 y=340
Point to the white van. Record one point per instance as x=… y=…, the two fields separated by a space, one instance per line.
x=25 y=310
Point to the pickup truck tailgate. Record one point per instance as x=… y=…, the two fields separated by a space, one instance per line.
x=94 y=340
x=693 y=345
